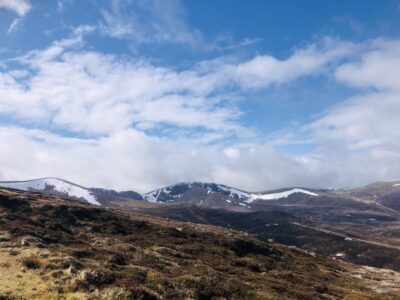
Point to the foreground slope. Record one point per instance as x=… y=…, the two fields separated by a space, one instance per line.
x=61 y=249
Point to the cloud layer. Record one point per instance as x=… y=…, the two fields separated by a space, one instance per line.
x=121 y=122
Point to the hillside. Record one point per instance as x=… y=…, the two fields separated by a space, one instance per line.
x=53 y=248
x=325 y=239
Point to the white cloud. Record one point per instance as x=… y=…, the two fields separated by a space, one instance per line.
x=20 y=7
x=94 y=93
x=265 y=69
x=378 y=67
x=361 y=121
x=232 y=153
x=358 y=140
x=371 y=118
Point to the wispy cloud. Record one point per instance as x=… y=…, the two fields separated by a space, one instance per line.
x=62 y=4
x=149 y=21
x=161 y=22
x=244 y=43
x=14 y=26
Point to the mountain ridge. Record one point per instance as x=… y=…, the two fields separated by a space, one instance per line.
x=166 y=194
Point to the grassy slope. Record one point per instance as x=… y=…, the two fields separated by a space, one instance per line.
x=60 y=249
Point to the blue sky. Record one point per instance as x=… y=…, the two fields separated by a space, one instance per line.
x=257 y=94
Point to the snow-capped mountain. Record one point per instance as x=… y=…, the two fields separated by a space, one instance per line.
x=185 y=192
x=53 y=186
x=177 y=191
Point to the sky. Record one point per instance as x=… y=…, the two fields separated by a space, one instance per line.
x=260 y=94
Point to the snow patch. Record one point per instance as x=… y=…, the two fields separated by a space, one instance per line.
x=280 y=195
x=153 y=196
x=234 y=192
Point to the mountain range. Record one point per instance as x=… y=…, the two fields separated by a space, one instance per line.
x=379 y=197
x=206 y=193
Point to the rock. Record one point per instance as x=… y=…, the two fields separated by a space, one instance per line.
x=31 y=241
x=97 y=277
x=14 y=252
x=118 y=259
x=31 y=263
x=143 y=293
x=4 y=236
x=71 y=270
